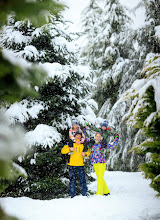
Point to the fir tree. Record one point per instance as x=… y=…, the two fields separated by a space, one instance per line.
x=145 y=115
x=109 y=51
x=148 y=42
x=146 y=45
x=62 y=97
x=122 y=53
x=17 y=81
x=92 y=17
x=38 y=44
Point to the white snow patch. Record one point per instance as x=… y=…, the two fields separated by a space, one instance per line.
x=20 y=111
x=43 y=135
x=63 y=71
x=12 y=139
x=93 y=103
x=157 y=28
x=20 y=169
x=130 y=199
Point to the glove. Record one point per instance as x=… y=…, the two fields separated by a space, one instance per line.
x=117 y=135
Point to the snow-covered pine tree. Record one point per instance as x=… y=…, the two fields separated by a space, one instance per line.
x=91 y=19
x=61 y=98
x=110 y=51
x=17 y=79
x=117 y=78
x=146 y=45
x=144 y=114
x=146 y=38
x=47 y=43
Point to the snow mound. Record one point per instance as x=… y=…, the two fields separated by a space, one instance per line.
x=43 y=135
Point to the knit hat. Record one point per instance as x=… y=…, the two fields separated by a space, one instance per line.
x=105 y=124
x=74 y=122
x=78 y=132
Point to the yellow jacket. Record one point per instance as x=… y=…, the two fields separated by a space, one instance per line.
x=76 y=158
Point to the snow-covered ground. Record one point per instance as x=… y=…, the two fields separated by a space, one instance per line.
x=131 y=199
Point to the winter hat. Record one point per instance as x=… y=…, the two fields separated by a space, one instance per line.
x=74 y=122
x=105 y=124
x=78 y=132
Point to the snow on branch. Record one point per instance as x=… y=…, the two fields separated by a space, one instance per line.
x=137 y=92
x=43 y=135
x=22 y=111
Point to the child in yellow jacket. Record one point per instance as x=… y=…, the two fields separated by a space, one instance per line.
x=76 y=164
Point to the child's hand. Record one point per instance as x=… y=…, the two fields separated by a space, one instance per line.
x=83 y=154
x=86 y=125
x=72 y=149
x=117 y=135
x=78 y=142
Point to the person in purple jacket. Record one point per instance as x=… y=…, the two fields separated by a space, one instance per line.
x=99 y=163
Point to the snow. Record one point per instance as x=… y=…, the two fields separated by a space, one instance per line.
x=29 y=51
x=117 y=69
x=20 y=169
x=131 y=199
x=75 y=8
x=12 y=139
x=15 y=36
x=9 y=55
x=61 y=42
x=91 y=102
x=139 y=88
x=143 y=84
x=19 y=111
x=157 y=28
x=151 y=117
x=138 y=84
x=63 y=71
x=138 y=16
x=43 y=135
x=88 y=116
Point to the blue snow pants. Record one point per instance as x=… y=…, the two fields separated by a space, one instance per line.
x=81 y=174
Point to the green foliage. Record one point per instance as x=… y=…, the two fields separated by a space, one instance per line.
x=109 y=49
x=147 y=109
x=62 y=97
x=146 y=35
x=17 y=82
x=10 y=175
x=44 y=41
x=36 y=12
x=147 y=118
x=106 y=90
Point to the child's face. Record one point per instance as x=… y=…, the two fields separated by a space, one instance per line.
x=75 y=126
x=103 y=128
x=98 y=137
x=78 y=136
